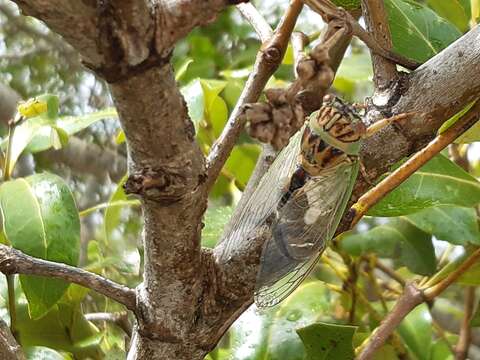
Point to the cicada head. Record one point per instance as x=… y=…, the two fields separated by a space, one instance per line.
x=338 y=124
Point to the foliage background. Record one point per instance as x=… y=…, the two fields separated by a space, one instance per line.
x=423 y=225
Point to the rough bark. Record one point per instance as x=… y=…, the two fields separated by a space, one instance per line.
x=189 y=297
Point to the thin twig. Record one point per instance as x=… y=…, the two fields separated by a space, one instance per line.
x=258 y=22
x=384 y=70
x=398 y=176
x=13 y=261
x=388 y=271
x=268 y=59
x=461 y=350
x=119 y=318
x=299 y=41
x=411 y=298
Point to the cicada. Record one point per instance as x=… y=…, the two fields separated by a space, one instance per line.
x=302 y=198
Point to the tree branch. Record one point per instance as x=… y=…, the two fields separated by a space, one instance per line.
x=375 y=17
x=258 y=22
x=13 y=261
x=268 y=59
x=9 y=348
x=120 y=319
x=411 y=298
x=463 y=344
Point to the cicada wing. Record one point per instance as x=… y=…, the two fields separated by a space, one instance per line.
x=300 y=233
x=266 y=296
x=265 y=198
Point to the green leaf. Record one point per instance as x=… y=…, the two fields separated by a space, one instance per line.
x=456 y=225
x=455 y=118
x=41 y=219
x=182 y=69
x=354 y=76
x=242 y=161
x=453 y=11
x=215 y=220
x=120 y=138
x=416 y=332
x=398 y=239
x=70 y=125
x=23 y=135
x=437 y=183
x=413 y=23
x=63 y=328
x=475 y=320
x=328 y=341
x=112 y=214
x=42 y=353
x=440 y=351
x=115 y=203
x=347 y=4
x=275 y=336
x=193 y=94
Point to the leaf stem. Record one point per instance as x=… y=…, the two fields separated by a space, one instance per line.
x=11 y=304
x=12 y=124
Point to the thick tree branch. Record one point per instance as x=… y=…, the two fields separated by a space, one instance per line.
x=9 y=348
x=13 y=261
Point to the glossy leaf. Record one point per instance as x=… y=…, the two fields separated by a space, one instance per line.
x=115 y=203
x=215 y=220
x=275 y=337
x=455 y=118
x=37 y=119
x=63 y=328
x=457 y=225
x=416 y=332
x=452 y=10
x=41 y=219
x=242 y=161
x=397 y=240
x=182 y=69
x=354 y=76
x=475 y=320
x=70 y=125
x=42 y=353
x=328 y=341
x=439 y=182
x=112 y=214
x=441 y=351
x=193 y=95
x=414 y=23
x=120 y=138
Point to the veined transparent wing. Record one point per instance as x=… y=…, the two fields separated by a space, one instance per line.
x=301 y=231
x=265 y=198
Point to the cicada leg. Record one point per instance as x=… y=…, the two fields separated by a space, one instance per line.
x=379 y=125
